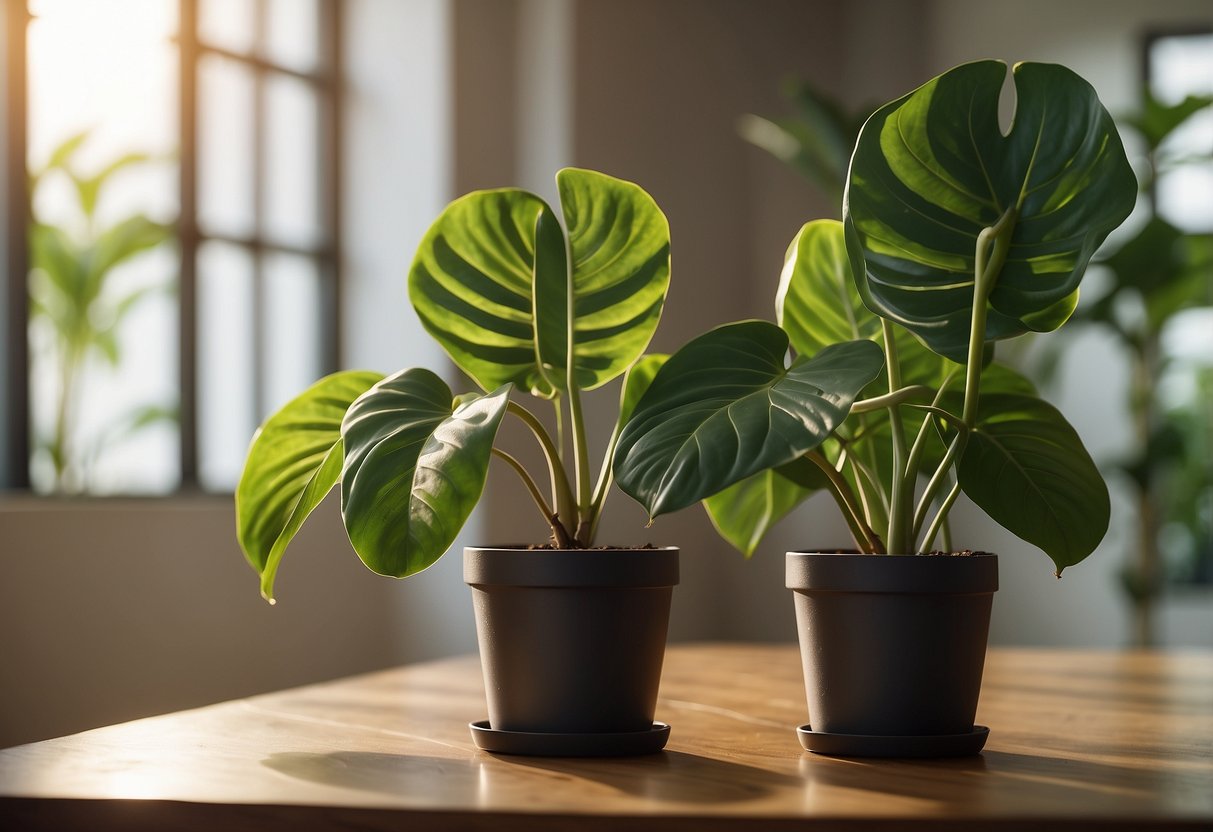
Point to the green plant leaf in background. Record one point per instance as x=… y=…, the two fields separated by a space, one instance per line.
x=725 y=406
x=496 y=285
x=744 y=512
x=932 y=169
x=414 y=469
x=637 y=382
x=1026 y=467
x=293 y=462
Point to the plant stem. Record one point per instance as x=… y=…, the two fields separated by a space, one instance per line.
x=898 y=503
x=562 y=493
x=559 y=533
x=865 y=538
x=941 y=517
x=606 y=476
x=991 y=252
x=911 y=393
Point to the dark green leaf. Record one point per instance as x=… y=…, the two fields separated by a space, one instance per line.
x=932 y=169
x=414 y=469
x=294 y=460
x=1026 y=467
x=725 y=406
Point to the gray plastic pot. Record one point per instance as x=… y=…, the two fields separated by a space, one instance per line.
x=892 y=645
x=571 y=641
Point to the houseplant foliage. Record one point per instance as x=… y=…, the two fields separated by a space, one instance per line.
x=955 y=236
x=523 y=306
x=73 y=292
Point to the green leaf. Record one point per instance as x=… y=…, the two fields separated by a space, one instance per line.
x=88 y=188
x=414 y=468
x=492 y=283
x=1026 y=467
x=744 y=512
x=725 y=406
x=293 y=462
x=1157 y=120
x=932 y=169
x=120 y=243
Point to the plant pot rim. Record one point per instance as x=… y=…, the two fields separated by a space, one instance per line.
x=819 y=572
x=485 y=567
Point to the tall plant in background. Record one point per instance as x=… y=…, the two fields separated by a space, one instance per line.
x=73 y=292
x=1154 y=276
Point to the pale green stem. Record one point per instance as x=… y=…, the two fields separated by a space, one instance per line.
x=946 y=530
x=920 y=441
x=941 y=517
x=898 y=503
x=559 y=533
x=990 y=254
x=562 y=493
x=919 y=392
x=865 y=538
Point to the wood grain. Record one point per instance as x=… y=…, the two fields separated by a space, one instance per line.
x=1079 y=740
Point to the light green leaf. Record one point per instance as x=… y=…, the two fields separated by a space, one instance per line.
x=293 y=462
x=492 y=283
x=414 y=468
x=725 y=406
x=636 y=383
x=620 y=246
x=1026 y=467
x=744 y=512
x=932 y=169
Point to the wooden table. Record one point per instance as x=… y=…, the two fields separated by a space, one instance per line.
x=1082 y=740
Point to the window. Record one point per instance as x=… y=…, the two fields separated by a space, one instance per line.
x=182 y=234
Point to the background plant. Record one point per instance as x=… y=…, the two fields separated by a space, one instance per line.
x=72 y=292
x=520 y=303
x=1154 y=277
x=954 y=237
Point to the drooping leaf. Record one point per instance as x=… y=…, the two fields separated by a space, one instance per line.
x=293 y=462
x=121 y=242
x=932 y=169
x=414 y=468
x=725 y=406
x=1026 y=467
x=492 y=283
x=744 y=512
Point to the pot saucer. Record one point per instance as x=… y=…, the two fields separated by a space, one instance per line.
x=536 y=744
x=861 y=745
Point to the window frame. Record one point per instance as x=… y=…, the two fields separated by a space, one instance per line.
x=325 y=83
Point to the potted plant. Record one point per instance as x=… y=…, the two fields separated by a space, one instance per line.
x=955 y=236
x=572 y=635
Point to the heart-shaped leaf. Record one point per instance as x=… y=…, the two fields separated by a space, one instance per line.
x=493 y=283
x=1026 y=467
x=725 y=406
x=932 y=169
x=293 y=462
x=744 y=512
x=414 y=468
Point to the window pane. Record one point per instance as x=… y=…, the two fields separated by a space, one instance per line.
x=225 y=362
x=225 y=146
x=1182 y=66
x=292 y=162
x=292 y=34
x=292 y=327
x=227 y=24
x=102 y=132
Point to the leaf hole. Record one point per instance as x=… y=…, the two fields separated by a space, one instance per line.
x=1006 y=103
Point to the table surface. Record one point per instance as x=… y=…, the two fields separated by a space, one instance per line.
x=1091 y=740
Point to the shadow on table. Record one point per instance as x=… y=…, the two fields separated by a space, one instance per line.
x=399 y=775
x=669 y=776
x=672 y=776
x=1042 y=780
